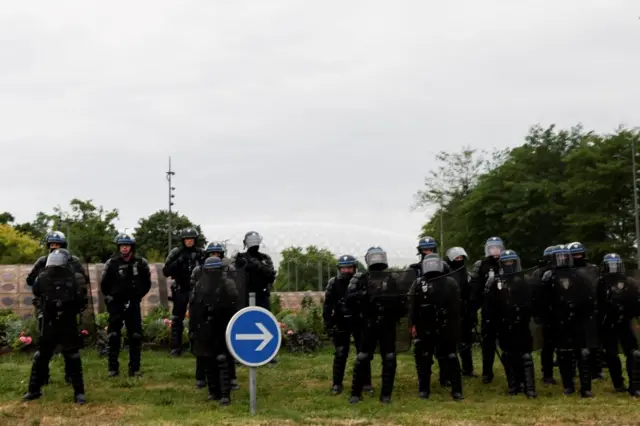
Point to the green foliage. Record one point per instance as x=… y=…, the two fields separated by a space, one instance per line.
x=275 y=302
x=151 y=234
x=16 y=247
x=305 y=269
x=559 y=186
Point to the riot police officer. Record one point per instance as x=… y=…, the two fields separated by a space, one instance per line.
x=376 y=297
x=619 y=302
x=509 y=302
x=55 y=240
x=541 y=317
x=572 y=296
x=434 y=319
x=482 y=272
x=258 y=266
x=179 y=265
x=579 y=254
x=216 y=249
x=340 y=323
x=426 y=246
x=213 y=302
x=125 y=281
x=456 y=258
x=61 y=301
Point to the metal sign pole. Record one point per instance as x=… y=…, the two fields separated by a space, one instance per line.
x=252 y=371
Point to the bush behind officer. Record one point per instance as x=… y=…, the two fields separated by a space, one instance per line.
x=179 y=265
x=126 y=279
x=62 y=299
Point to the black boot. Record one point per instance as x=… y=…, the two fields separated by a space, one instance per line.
x=135 y=347
x=633 y=369
x=232 y=372
x=339 y=365
x=177 y=326
x=529 y=376
x=546 y=361
x=74 y=364
x=596 y=364
x=223 y=377
x=201 y=379
x=444 y=380
x=423 y=369
x=453 y=367
x=513 y=387
x=113 y=353
x=615 y=370
x=389 y=366
x=488 y=358
x=584 y=368
x=359 y=373
x=466 y=358
x=566 y=367
x=213 y=378
x=35 y=381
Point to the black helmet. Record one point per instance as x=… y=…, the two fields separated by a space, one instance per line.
x=124 y=240
x=189 y=233
x=56 y=237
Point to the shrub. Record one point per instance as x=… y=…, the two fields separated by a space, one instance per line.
x=276 y=303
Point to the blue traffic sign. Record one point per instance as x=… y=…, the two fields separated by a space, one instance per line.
x=253 y=336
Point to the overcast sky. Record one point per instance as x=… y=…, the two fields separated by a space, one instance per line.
x=304 y=120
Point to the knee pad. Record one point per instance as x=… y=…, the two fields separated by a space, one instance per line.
x=390 y=357
x=136 y=337
x=527 y=357
x=74 y=355
x=636 y=355
x=584 y=353
x=222 y=358
x=451 y=356
x=175 y=318
x=113 y=335
x=362 y=356
x=36 y=355
x=340 y=351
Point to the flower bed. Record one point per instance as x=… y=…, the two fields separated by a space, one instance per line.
x=302 y=331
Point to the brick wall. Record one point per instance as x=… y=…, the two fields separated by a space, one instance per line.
x=15 y=294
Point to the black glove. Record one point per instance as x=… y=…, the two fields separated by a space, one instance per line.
x=108 y=299
x=329 y=329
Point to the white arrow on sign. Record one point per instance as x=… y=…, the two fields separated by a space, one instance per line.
x=265 y=336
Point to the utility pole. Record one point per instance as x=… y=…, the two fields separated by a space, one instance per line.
x=635 y=198
x=170 y=174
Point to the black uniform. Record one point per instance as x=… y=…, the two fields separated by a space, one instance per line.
x=38 y=267
x=179 y=265
x=618 y=303
x=201 y=376
x=543 y=318
x=374 y=295
x=341 y=323
x=434 y=317
x=572 y=314
x=469 y=315
x=125 y=281
x=510 y=304
x=260 y=275
x=213 y=303
x=482 y=272
x=61 y=301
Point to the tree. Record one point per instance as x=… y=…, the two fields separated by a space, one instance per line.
x=16 y=247
x=151 y=234
x=38 y=228
x=89 y=229
x=559 y=186
x=453 y=180
x=6 y=218
x=305 y=269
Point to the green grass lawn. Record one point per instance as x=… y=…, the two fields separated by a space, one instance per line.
x=295 y=392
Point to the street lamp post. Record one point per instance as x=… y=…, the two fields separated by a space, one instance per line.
x=635 y=198
x=170 y=174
